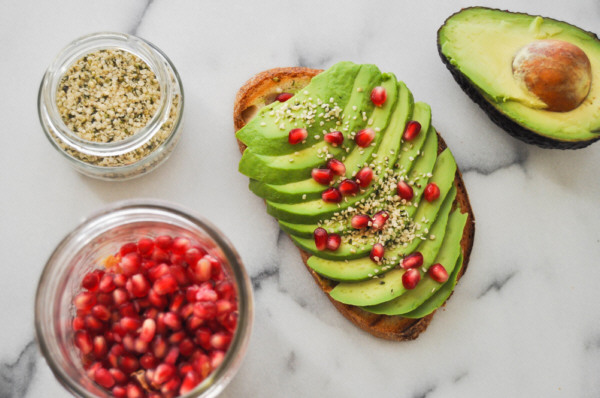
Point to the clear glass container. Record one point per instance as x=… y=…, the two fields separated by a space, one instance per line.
x=96 y=238
x=135 y=155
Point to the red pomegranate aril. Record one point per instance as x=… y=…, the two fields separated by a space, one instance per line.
x=379 y=220
x=337 y=167
x=202 y=270
x=130 y=324
x=348 y=188
x=83 y=341
x=78 y=323
x=139 y=285
x=364 y=137
x=215 y=265
x=119 y=392
x=364 y=177
x=187 y=310
x=104 y=378
x=156 y=300
x=158 y=271
x=411 y=278
x=225 y=289
x=320 y=236
x=193 y=322
x=160 y=256
x=414 y=260
x=130 y=264
x=163 y=372
x=173 y=321
x=438 y=273
x=148 y=330
x=216 y=358
x=148 y=361
x=145 y=246
x=169 y=389
x=412 y=130
x=331 y=195
x=190 y=380
x=120 y=296
x=296 y=136
x=377 y=252
x=220 y=341
x=193 y=254
x=282 y=97
x=224 y=306
x=186 y=347
x=177 y=337
x=119 y=280
x=378 y=96
x=128 y=364
x=360 y=221
x=180 y=245
x=180 y=275
x=177 y=302
x=404 y=190
x=118 y=375
x=177 y=259
x=335 y=138
x=93 y=324
x=432 y=192
x=107 y=283
x=159 y=347
x=134 y=391
x=165 y=284
x=91 y=280
x=127 y=248
x=84 y=301
x=164 y=242
x=322 y=176
x=140 y=346
x=205 y=310
x=333 y=242
x=101 y=312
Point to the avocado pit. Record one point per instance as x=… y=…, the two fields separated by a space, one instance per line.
x=557 y=72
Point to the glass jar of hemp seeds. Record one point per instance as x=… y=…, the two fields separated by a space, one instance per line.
x=112 y=105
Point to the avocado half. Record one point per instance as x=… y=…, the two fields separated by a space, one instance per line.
x=478 y=45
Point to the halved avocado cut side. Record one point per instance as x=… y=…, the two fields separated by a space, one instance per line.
x=478 y=45
x=447 y=256
x=439 y=298
x=266 y=136
x=386 y=287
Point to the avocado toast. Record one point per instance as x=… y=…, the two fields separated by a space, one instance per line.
x=327 y=154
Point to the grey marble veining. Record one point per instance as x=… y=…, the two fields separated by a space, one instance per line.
x=523 y=322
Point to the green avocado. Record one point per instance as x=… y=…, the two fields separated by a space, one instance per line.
x=268 y=131
x=296 y=167
x=483 y=49
x=315 y=210
x=447 y=256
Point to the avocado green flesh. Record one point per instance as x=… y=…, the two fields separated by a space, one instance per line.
x=388 y=285
x=297 y=166
x=266 y=134
x=363 y=268
x=316 y=210
x=344 y=252
x=439 y=298
x=447 y=256
x=407 y=157
x=481 y=43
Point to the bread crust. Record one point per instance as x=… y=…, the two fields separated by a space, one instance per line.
x=260 y=90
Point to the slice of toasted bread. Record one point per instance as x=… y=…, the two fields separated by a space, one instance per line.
x=260 y=91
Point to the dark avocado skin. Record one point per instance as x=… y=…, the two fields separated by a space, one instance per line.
x=516 y=130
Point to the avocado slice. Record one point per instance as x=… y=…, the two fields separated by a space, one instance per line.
x=315 y=210
x=296 y=166
x=447 y=256
x=439 y=298
x=407 y=155
x=479 y=45
x=266 y=132
x=388 y=286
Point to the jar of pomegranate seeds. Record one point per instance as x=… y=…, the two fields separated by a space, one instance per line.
x=112 y=105
x=144 y=300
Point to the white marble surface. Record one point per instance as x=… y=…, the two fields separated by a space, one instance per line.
x=523 y=322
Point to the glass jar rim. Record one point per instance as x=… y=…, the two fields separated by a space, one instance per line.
x=116 y=213
x=148 y=52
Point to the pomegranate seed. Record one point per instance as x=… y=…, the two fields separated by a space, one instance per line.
x=337 y=167
x=215 y=264
x=364 y=137
x=140 y=346
x=130 y=324
x=377 y=252
x=360 y=221
x=107 y=284
x=202 y=365
x=320 y=236
x=177 y=337
x=114 y=354
x=414 y=260
x=333 y=242
x=220 y=341
x=148 y=330
x=378 y=96
x=432 y=192
x=187 y=311
x=164 y=372
x=140 y=285
x=348 y=188
x=322 y=176
x=157 y=271
x=404 y=190
x=180 y=245
x=119 y=392
x=91 y=280
x=190 y=380
x=118 y=375
x=331 y=195
x=148 y=361
x=202 y=270
x=156 y=300
x=100 y=348
x=134 y=391
x=101 y=312
x=379 y=220
x=177 y=302
x=216 y=358
x=172 y=320
x=165 y=284
x=160 y=256
x=127 y=248
x=145 y=246
x=282 y=97
x=164 y=242
x=78 y=323
x=177 y=259
x=130 y=264
x=296 y=136
x=178 y=272
x=364 y=177
x=159 y=347
x=94 y=324
x=412 y=130
x=335 y=138
x=224 y=306
x=104 y=378
x=120 y=296
x=85 y=301
x=206 y=293
x=194 y=322
x=225 y=289
x=205 y=310
x=438 y=273
x=170 y=387
x=411 y=278
x=83 y=341
x=128 y=364
x=192 y=255
x=186 y=347
x=119 y=280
